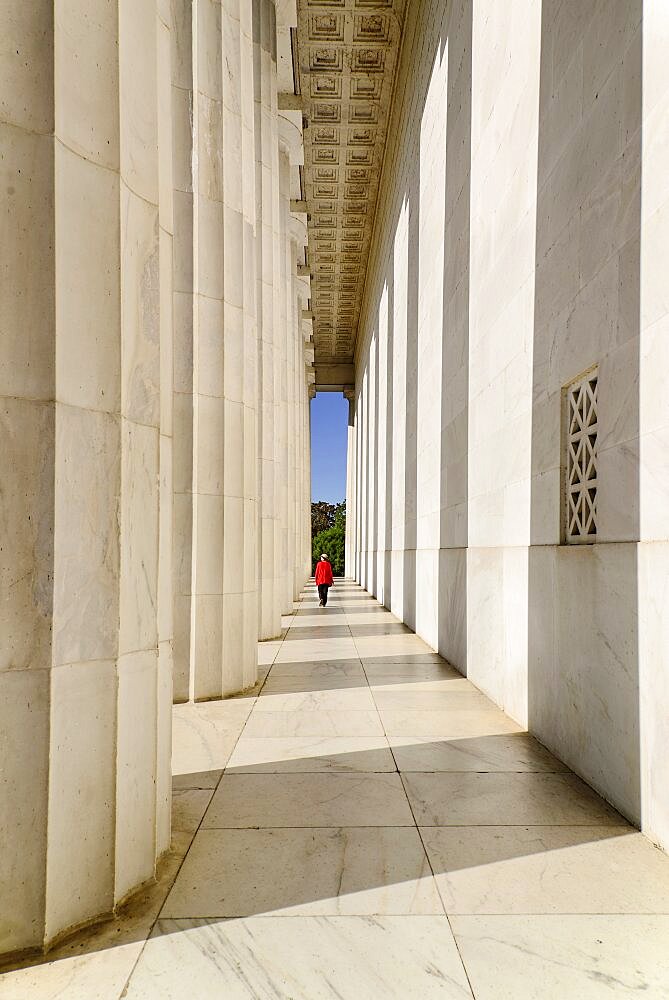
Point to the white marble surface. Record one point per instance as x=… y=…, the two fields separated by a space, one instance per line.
x=188 y=807
x=331 y=958
x=590 y=957
x=451 y=725
x=468 y=799
x=398 y=699
x=517 y=752
x=204 y=734
x=308 y=800
x=308 y=650
x=311 y=722
x=315 y=753
x=339 y=699
x=547 y=869
x=346 y=870
x=319 y=668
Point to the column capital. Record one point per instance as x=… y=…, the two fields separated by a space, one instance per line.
x=349 y=393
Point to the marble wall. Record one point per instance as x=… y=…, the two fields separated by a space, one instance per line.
x=652 y=90
x=140 y=171
x=518 y=242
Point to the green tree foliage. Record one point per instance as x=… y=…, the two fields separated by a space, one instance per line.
x=328 y=533
x=323 y=515
x=332 y=542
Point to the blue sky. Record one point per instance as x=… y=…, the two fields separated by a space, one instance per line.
x=329 y=432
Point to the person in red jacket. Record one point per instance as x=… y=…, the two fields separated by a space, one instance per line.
x=324 y=579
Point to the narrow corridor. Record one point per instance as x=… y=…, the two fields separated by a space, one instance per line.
x=366 y=824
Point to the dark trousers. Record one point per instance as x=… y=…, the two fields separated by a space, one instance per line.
x=323 y=592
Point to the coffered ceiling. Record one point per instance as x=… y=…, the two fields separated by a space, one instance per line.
x=345 y=54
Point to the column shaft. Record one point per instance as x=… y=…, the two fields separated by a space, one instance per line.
x=87 y=334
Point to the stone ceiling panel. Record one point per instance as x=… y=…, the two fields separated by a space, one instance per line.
x=346 y=53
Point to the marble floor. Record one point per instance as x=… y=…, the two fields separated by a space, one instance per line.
x=366 y=824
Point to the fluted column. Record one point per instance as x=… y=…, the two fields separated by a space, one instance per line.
x=164 y=692
x=302 y=288
x=282 y=347
x=290 y=411
x=239 y=552
x=251 y=235
x=85 y=619
x=208 y=354
x=267 y=305
x=182 y=172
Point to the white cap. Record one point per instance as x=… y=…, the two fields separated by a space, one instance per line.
x=323 y=555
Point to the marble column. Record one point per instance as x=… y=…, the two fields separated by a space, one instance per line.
x=182 y=171
x=208 y=354
x=266 y=303
x=281 y=332
x=86 y=625
x=165 y=607
x=239 y=658
x=290 y=415
x=293 y=239
x=303 y=328
x=250 y=593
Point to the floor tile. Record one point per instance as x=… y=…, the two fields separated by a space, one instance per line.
x=245 y=801
x=485 y=722
x=197 y=779
x=357 y=870
x=549 y=869
x=267 y=652
x=505 y=799
x=391 y=646
x=319 y=668
x=302 y=633
x=314 y=723
x=311 y=618
x=188 y=808
x=371 y=616
x=407 y=657
x=365 y=630
x=304 y=958
x=400 y=699
x=204 y=734
x=317 y=649
x=307 y=754
x=418 y=676
x=291 y=683
x=517 y=752
x=337 y=699
x=554 y=958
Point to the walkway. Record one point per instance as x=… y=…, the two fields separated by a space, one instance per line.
x=380 y=830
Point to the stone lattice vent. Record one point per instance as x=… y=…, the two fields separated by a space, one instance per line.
x=581 y=466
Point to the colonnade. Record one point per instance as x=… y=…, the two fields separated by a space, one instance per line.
x=155 y=371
